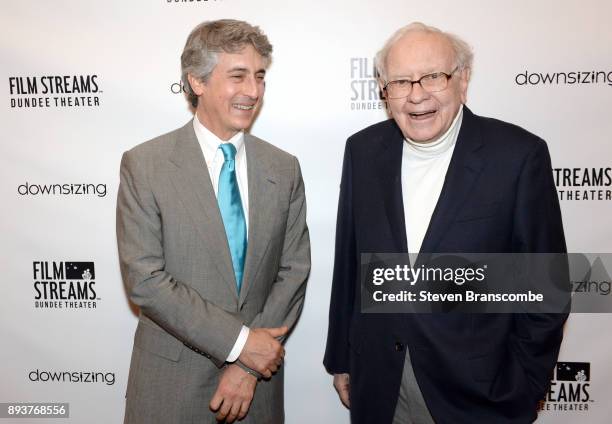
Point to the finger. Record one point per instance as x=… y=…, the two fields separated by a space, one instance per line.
x=266 y=373
x=225 y=409
x=263 y=370
x=277 y=332
x=344 y=397
x=280 y=351
x=215 y=402
x=233 y=414
x=244 y=408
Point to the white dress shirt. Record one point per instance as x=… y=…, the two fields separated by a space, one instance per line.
x=424 y=167
x=209 y=143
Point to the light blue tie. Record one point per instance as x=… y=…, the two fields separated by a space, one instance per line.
x=230 y=205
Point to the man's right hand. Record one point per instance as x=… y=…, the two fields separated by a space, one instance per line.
x=262 y=352
x=342 y=385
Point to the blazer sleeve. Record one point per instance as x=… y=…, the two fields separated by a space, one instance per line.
x=341 y=307
x=286 y=298
x=538 y=228
x=172 y=304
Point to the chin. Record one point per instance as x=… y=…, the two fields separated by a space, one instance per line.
x=421 y=137
x=243 y=125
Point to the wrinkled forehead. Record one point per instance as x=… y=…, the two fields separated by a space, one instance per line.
x=417 y=53
x=244 y=57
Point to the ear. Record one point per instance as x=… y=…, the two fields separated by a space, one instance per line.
x=464 y=81
x=197 y=85
x=381 y=87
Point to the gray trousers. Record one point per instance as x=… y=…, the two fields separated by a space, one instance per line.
x=411 y=407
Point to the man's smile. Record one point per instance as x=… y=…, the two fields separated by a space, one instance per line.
x=243 y=106
x=421 y=116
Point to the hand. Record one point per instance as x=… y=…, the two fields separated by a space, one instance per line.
x=342 y=385
x=262 y=352
x=234 y=394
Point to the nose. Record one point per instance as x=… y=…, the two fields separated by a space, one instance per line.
x=251 y=87
x=418 y=94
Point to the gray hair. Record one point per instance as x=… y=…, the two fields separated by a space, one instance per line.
x=463 y=52
x=207 y=40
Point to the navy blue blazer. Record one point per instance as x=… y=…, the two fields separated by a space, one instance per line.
x=498 y=196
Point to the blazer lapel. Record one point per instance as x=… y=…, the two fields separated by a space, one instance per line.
x=390 y=172
x=194 y=188
x=463 y=171
x=263 y=209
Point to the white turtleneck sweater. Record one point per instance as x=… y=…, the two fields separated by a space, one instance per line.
x=424 y=167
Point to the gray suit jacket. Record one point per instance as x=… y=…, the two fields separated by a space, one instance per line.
x=176 y=264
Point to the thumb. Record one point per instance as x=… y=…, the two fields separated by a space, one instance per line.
x=277 y=332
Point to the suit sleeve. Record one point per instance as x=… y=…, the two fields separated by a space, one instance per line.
x=538 y=229
x=341 y=307
x=286 y=298
x=172 y=304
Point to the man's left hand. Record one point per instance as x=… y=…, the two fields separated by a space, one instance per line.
x=234 y=394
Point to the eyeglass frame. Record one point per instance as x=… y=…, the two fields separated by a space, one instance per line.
x=448 y=77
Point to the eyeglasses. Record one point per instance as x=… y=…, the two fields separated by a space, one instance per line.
x=431 y=83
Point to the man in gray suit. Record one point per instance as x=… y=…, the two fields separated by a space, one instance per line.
x=213 y=244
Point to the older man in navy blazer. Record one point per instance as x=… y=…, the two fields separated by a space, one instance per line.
x=438 y=178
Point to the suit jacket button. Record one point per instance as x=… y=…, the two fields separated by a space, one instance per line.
x=399 y=346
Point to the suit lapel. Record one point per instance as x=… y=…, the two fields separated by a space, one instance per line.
x=194 y=187
x=463 y=171
x=263 y=209
x=390 y=172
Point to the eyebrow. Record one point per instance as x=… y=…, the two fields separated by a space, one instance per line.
x=242 y=69
x=404 y=76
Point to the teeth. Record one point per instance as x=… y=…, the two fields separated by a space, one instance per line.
x=244 y=107
x=421 y=113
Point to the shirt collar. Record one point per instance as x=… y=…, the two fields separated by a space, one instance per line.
x=209 y=142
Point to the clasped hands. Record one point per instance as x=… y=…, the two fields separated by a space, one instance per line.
x=262 y=353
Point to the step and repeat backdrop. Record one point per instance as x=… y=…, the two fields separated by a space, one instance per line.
x=83 y=81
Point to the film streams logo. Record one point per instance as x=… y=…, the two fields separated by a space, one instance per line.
x=570 y=388
x=564 y=78
x=64 y=285
x=54 y=91
x=583 y=183
x=40 y=376
x=365 y=93
x=28 y=189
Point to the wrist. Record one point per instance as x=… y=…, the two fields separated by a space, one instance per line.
x=257 y=376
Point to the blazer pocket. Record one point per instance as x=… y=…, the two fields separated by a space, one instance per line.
x=477 y=211
x=157 y=342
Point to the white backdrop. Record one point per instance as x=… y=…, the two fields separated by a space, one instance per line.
x=322 y=58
